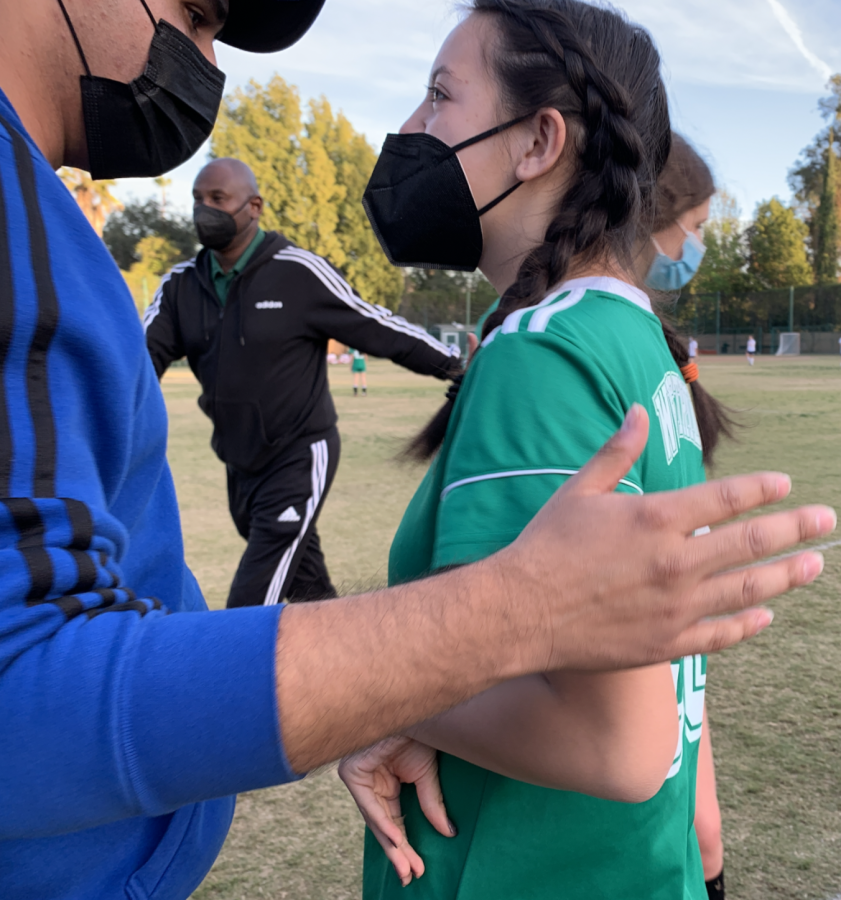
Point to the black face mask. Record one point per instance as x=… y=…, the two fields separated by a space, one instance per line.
x=420 y=205
x=160 y=119
x=215 y=227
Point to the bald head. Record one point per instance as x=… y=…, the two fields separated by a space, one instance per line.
x=229 y=185
x=231 y=176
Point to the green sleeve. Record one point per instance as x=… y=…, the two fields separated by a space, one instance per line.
x=534 y=409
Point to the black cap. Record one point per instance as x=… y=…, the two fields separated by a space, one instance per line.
x=264 y=26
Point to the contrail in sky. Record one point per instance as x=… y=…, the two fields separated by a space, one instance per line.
x=793 y=31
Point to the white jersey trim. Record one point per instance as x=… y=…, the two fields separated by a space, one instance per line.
x=540 y=320
x=574 y=289
x=608 y=286
x=155 y=306
x=514 y=473
x=512 y=322
x=318 y=477
x=344 y=292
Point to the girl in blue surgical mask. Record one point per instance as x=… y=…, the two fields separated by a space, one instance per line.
x=673 y=255
x=669 y=261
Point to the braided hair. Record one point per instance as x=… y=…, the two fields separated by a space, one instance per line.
x=603 y=75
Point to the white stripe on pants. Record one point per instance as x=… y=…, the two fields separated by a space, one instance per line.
x=318 y=475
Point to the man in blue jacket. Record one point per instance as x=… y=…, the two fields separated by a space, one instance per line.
x=131 y=716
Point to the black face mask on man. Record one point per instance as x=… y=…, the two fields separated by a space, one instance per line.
x=216 y=228
x=159 y=120
x=420 y=205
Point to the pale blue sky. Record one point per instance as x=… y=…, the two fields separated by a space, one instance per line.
x=744 y=76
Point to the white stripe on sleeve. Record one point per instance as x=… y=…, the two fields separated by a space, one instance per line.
x=343 y=291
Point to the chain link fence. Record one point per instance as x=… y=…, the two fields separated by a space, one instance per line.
x=723 y=322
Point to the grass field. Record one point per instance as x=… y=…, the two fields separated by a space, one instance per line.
x=774 y=705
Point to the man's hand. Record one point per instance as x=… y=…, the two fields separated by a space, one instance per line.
x=598 y=580
x=373 y=777
x=654 y=591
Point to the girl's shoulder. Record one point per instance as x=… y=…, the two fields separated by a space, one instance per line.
x=591 y=312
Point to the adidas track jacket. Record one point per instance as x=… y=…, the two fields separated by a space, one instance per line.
x=261 y=359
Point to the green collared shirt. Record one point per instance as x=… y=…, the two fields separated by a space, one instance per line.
x=221 y=279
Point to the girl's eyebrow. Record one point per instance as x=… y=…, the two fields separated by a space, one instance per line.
x=441 y=70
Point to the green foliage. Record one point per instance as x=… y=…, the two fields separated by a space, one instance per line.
x=827 y=239
x=724 y=267
x=156 y=256
x=807 y=178
x=777 y=248
x=125 y=229
x=312 y=173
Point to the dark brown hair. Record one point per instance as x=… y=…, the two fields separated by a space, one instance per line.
x=603 y=74
x=686 y=182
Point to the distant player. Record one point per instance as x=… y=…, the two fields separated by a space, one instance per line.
x=751 y=350
x=358 y=368
x=839 y=345
x=693 y=350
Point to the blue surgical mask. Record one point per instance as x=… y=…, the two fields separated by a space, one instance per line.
x=667 y=274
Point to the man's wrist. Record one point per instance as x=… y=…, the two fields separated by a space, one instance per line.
x=522 y=635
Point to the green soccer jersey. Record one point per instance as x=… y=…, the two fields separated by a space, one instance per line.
x=547 y=389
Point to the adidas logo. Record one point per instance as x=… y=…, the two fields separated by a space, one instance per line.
x=269 y=304
x=289 y=515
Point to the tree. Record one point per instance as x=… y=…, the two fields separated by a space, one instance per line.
x=724 y=268
x=94 y=197
x=163 y=183
x=125 y=229
x=312 y=174
x=156 y=256
x=777 y=242
x=807 y=178
x=826 y=236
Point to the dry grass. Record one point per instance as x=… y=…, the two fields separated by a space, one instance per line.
x=774 y=704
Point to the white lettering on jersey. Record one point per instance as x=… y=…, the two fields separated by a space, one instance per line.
x=690 y=691
x=269 y=304
x=676 y=415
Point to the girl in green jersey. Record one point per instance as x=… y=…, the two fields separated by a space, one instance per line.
x=565 y=785
x=358 y=368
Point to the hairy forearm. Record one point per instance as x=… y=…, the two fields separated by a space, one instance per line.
x=609 y=735
x=354 y=670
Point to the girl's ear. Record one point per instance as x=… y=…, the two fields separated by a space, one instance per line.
x=542 y=145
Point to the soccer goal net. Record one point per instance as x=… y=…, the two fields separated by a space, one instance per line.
x=789 y=344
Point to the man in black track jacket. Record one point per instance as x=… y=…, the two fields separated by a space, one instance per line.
x=253 y=313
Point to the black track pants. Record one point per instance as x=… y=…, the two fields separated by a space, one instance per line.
x=276 y=511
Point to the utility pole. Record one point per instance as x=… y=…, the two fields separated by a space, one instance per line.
x=791 y=309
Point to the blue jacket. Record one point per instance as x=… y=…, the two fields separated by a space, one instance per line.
x=126 y=724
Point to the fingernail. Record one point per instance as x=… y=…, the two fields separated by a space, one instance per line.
x=826 y=521
x=764 y=619
x=783 y=486
x=406 y=881
x=812 y=567
x=631 y=417
x=452 y=827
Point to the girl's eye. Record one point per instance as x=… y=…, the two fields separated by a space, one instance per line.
x=197 y=19
x=434 y=94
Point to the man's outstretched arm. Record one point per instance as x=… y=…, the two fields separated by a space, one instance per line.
x=598 y=580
